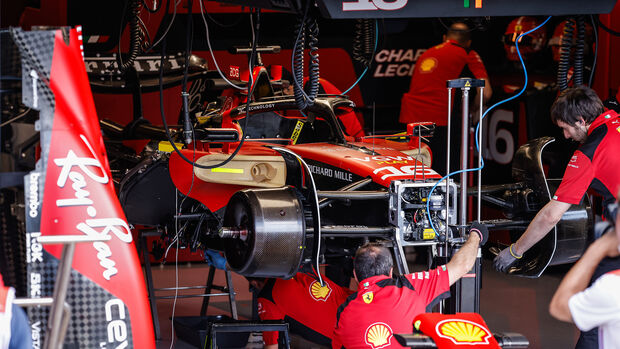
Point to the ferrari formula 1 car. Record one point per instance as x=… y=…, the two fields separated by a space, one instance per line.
x=296 y=180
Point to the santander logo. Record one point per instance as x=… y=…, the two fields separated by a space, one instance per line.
x=74 y=172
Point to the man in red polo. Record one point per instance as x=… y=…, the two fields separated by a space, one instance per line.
x=383 y=305
x=308 y=307
x=579 y=112
x=427 y=99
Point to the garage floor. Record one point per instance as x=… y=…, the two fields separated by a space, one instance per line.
x=508 y=304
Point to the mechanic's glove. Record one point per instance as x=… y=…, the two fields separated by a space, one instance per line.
x=215 y=259
x=481 y=230
x=505 y=259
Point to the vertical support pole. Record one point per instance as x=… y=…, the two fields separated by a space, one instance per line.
x=449 y=125
x=231 y=295
x=464 y=149
x=60 y=295
x=480 y=153
x=149 y=284
x=448 y=163
x=208 y=288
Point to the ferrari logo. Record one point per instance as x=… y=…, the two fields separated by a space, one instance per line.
x=463 y=331
x=368 y=297
x=428 y=65
x=378 y=335
x=318 y=292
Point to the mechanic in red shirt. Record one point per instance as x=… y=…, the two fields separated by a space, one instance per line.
x=427 y=99
x=595 y=164
x=309 y=308
x=383 y=305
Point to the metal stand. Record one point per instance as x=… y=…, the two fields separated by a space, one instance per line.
x=60 y=311
x=249 y=326
x=208 y=287
x=466 y=291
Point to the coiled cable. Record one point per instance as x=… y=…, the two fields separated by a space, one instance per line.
x=134 y=38
x=364 y=41
x=565 y=48
x=579 y=51
x=313 y=66
x=305 y=27
x=375 y=28
x=298 y=64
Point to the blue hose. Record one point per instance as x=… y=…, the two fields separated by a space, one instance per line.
x=428 y=211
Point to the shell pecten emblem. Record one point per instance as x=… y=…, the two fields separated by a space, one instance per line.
x=428 y=65
x=318 y=292
x=463 y=331
x=378 y=335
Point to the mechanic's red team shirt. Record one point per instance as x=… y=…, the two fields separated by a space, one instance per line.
x=384 y=306
x=309 y=308
x=595 y=164
x=427 y=99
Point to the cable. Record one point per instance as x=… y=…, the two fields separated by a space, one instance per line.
x=316 y=201
x=251 y=87
x=134 y=40
x=297 y=62
x=176 y=259
x=202 y=13
x=307 y=26
x=579 y=51
x=237 y=21
x=174 y=14
x=16 y=118
x=370 y=61
x=595 y=50
x=606 y=28
x=144 y=30
x=155 y=9
x=428 y=200
x=565 y=51
x=187 y=126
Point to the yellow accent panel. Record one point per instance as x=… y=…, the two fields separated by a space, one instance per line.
x=227 y=170
x=297 y=131
x=166 y=146
x=428 y=234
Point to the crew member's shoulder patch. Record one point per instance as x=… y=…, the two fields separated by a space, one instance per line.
x=428 y=65
x=368 y=297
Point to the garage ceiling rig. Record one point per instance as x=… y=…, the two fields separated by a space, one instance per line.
x=436 y=8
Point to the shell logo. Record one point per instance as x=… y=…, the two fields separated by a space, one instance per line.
x=428 y=65
x=318 y=292
x=378 y=335
x=462 y=332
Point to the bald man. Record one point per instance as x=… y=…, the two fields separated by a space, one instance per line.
x=427 y=99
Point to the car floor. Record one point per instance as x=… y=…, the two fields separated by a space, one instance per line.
x=508 y=304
